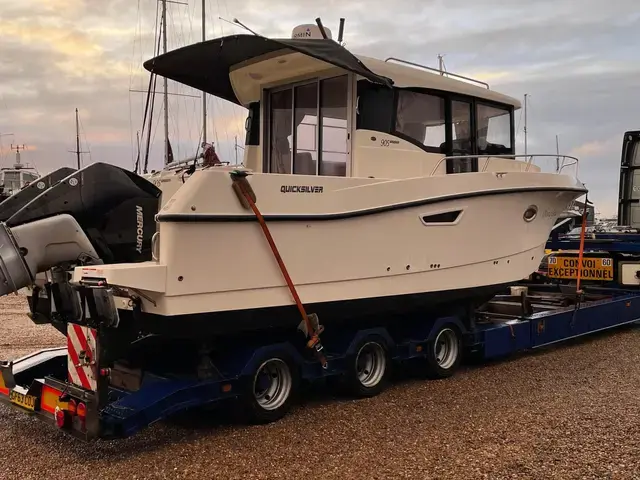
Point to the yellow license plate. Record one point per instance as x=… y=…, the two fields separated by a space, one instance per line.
x=594 y=268
x=25 y=401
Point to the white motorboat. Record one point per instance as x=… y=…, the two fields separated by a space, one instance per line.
x=385 y=186
x=16 y=177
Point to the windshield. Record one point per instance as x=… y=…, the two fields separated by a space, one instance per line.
x=493 y=130
x=11 y=181
x=29 y=177
x=441 y=124
x=421 y=117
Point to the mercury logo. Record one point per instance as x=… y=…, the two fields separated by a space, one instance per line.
x=140 y=230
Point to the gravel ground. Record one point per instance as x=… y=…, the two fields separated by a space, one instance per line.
x=571 y=412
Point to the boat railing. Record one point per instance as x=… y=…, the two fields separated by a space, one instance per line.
x=441 y=72
x=562 y=161
x=181 y=164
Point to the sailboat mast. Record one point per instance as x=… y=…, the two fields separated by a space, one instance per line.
x=165 y=87
x=557 y=155
x=78 y=140
x=77 y=151
x=204 y=94
x=525 y=124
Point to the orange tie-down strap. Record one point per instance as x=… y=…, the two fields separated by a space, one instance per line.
x=247 y=197
x=581 y=250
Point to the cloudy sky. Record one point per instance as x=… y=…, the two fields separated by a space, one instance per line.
x=577 y=59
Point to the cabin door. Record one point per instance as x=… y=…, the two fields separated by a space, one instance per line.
x=308 y=127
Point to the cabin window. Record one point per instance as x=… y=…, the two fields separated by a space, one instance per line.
x=309 y=120
x=29 y=177
x=635 y=153
x=493 y=130
x=281 y=140
x=375 y=107
x=252 y=125
x=12 y=180
x=306 y=120
x=462 y=139
x=421 y=116
x=447 y=123
x=461 y=128
x=333 y=107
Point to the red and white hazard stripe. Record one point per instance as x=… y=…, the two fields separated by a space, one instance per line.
x=82 y=342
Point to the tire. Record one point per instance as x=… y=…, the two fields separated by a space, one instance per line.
x=444 y=352
x=270 y=390
x=368 y=369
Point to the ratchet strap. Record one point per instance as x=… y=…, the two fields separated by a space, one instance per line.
x=581 y=250
x=309 y=325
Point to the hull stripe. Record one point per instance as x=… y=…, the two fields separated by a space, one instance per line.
x=207 y=217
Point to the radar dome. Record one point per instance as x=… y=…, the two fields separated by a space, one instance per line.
x=311 y=31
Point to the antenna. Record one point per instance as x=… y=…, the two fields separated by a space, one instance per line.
x=17 y=149
x=77 y=151
x=238 y=22
x=441 y=66
x=341 y=31
x=321 y=27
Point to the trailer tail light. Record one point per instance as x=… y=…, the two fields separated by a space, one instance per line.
x=71 y=407
x=81 y=412
x=61 y=417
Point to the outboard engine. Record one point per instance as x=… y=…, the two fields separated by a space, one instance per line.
x=10 y=206
x=19 y=199
x=99 y=214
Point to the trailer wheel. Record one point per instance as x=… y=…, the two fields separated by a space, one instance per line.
x=271 y=389
x=368 y=369
x=444 y=352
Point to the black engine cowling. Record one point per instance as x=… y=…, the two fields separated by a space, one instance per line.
x=114 y=207
x=19 y=199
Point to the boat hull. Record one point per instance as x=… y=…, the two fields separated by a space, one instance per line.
x=461 y=241
x=390 y=311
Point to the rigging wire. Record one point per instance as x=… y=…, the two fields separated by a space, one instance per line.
x=221 y=27
x=133 y=52
x=146 y=107
x=86 y=141
x=518 y=125
x=153 y=137
x=151 y=94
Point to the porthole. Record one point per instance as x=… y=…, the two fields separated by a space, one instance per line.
x=530 y=213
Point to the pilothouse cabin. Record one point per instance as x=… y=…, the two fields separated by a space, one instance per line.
x=316 y=109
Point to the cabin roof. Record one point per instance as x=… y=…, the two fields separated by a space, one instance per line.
x=405 y=76
x=206 y=66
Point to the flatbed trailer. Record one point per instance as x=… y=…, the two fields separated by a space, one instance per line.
x=121 y=401
x=609 y=260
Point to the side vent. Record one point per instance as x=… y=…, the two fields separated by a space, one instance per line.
x=445 y=217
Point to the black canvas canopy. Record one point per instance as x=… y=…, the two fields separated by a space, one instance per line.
x=206 y=65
